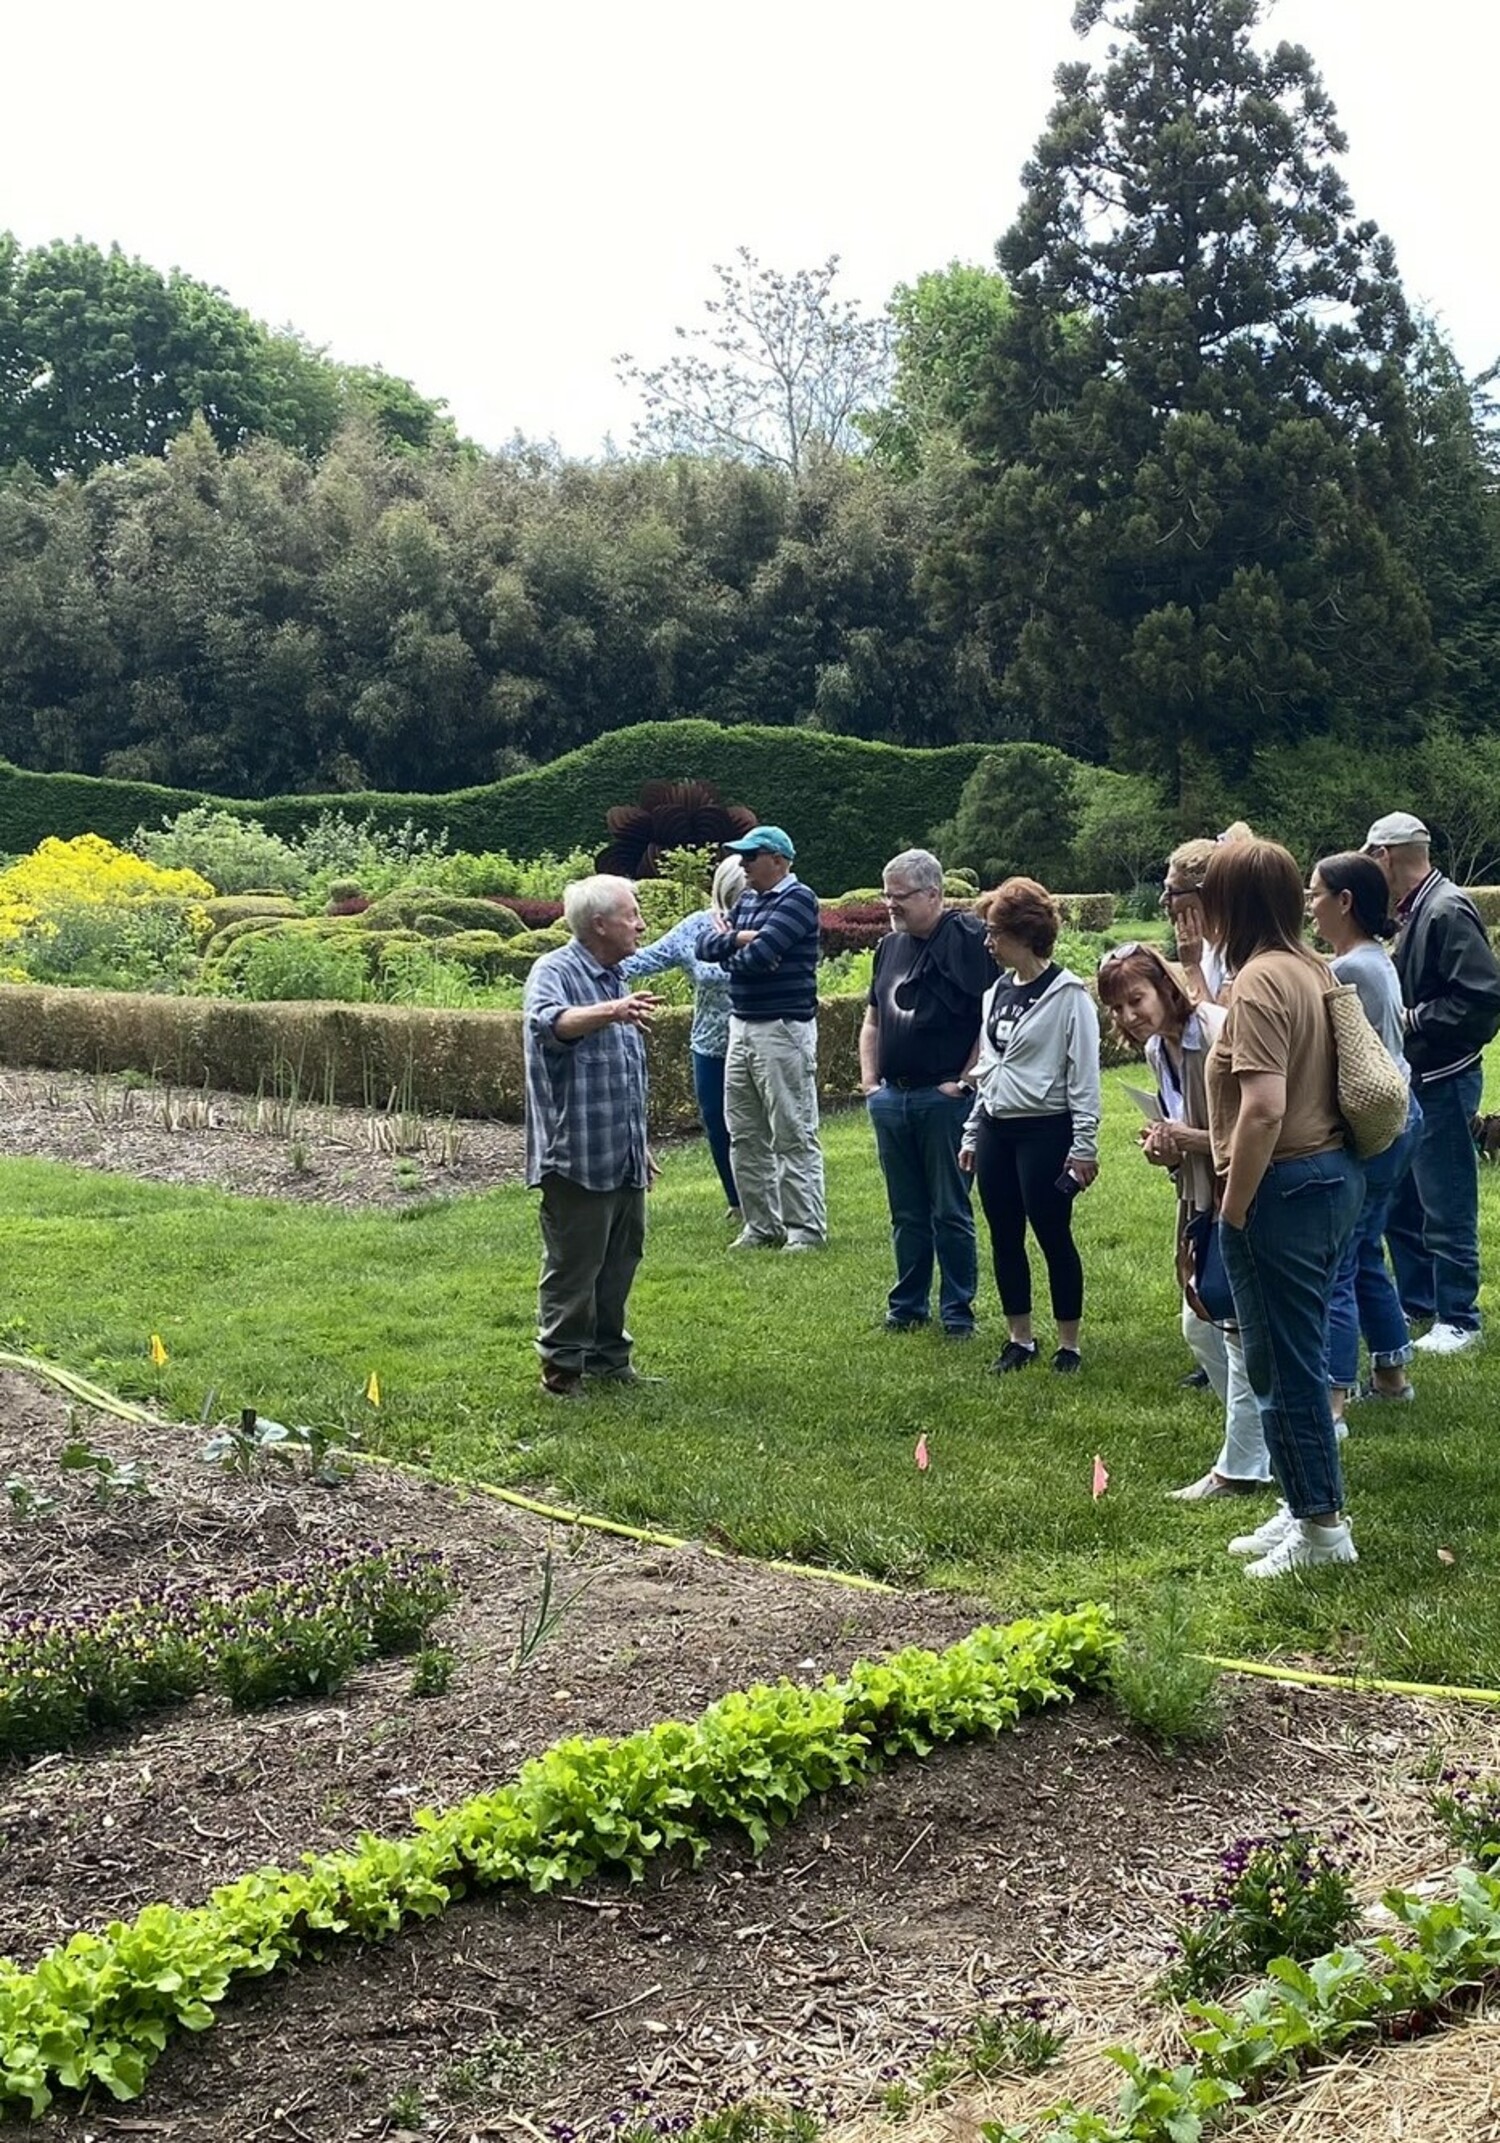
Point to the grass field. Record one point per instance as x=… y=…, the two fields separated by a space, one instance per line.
x=788 y=1424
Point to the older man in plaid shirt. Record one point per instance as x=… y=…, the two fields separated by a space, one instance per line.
x=586 y=1135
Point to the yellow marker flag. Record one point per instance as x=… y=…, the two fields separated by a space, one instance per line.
x=159 y=1355
x=372 y=1389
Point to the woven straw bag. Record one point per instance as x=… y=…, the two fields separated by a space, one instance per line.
x=1372 y=1095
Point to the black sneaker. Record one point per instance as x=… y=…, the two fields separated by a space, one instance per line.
x=1013 y=1355
x=905 y=1324
x=1066 y=1360
x=1195 y=1380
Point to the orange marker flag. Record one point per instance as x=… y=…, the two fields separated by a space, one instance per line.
x=159 y=1355
x=372 y=1389
x=921 y=1455
x=1101 y=1477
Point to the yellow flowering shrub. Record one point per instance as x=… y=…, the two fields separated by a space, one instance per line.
x=86 y=872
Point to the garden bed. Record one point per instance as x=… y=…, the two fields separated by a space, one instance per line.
x=311 y=1152
x=1048 y=1861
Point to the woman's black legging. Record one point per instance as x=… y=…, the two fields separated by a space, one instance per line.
x=1017 y=1161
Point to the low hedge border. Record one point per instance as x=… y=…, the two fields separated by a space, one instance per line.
x=442 y=1062
x=1301 y=2014
x=98 y=2009
x=439 y=1061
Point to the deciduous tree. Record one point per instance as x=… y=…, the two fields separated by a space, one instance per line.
x=779 y=375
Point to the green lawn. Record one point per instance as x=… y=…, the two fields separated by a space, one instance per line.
x=789 y=1421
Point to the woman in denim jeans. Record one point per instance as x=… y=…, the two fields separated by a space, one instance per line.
x=1348 y=902
x=1291 y=1191
x=710 y=1035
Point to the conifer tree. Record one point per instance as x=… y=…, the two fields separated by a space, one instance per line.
x=1192 y=452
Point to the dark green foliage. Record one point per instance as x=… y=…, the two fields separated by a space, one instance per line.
x=1452 y=536
x=254 y=623
x=1017 y=813
x=848 y=804
x=1192 y=455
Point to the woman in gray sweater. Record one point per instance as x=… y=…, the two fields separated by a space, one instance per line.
x=1032 y=1138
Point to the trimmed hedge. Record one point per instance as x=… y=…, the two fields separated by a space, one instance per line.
x=409 y=907
x=848 y=804
x=227 y=908
x=1486 y=899
x=442 y=1062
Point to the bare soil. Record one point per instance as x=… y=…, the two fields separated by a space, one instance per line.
x=1049 y=1861
x=264 y=1146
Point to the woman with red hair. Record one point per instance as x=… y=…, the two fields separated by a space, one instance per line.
x=1032 y=1138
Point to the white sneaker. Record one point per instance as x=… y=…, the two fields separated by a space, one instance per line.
x=752 y=1239
x=1265 y=1537
x=800 y=1239
x=1449 y=1339
x=1305 y=1546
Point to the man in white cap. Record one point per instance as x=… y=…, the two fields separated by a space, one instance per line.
x=770 y=948
x=1450 y=985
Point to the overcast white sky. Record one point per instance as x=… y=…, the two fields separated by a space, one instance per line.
x=494 y=201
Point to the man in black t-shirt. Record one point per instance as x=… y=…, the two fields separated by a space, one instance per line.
x=916 y=1048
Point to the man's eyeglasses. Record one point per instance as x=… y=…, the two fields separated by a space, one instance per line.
x=910 y=892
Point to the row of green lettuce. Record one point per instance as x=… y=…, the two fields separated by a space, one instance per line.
x=99 y=2009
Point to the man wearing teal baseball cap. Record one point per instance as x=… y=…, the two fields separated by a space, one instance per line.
x=769 y=946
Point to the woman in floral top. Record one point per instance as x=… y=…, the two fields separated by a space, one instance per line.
x=710 y=1035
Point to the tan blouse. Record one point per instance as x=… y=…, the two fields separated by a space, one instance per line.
x=1278 y=1022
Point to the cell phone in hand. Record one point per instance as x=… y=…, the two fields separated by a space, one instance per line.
x=1067 y=1184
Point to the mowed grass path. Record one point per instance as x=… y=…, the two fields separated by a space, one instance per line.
x=788 y=1423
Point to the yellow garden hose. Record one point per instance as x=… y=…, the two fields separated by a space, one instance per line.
x=559 y=1514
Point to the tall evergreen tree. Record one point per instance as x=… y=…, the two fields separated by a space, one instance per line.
x=1453 y=531
x=1192 y=450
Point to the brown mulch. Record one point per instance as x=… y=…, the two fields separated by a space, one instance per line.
x=1049 y=1861
x=257 y=1145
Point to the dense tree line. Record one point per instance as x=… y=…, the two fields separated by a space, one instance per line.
x=1184 y=489
x=257 y=623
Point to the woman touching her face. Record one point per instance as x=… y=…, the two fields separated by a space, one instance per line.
x=1148 y=1001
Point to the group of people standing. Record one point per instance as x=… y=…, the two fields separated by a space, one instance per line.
x=1281 y=1228
x=979 y=1061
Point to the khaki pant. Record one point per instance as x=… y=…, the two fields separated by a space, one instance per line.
x=591 y=1245
x=771 y=1108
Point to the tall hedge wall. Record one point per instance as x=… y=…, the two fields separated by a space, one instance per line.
x=848 y=804
x=32 y=806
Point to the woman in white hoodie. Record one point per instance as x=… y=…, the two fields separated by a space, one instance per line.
x=1032 y=1138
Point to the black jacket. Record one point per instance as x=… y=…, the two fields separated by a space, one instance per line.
x=1450 y=981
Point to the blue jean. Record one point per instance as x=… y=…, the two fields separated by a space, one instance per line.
x=1281 y=1267
x=1364 y=1301
x=1433 y=1230
x=708 y=1085
x=917 y=1134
